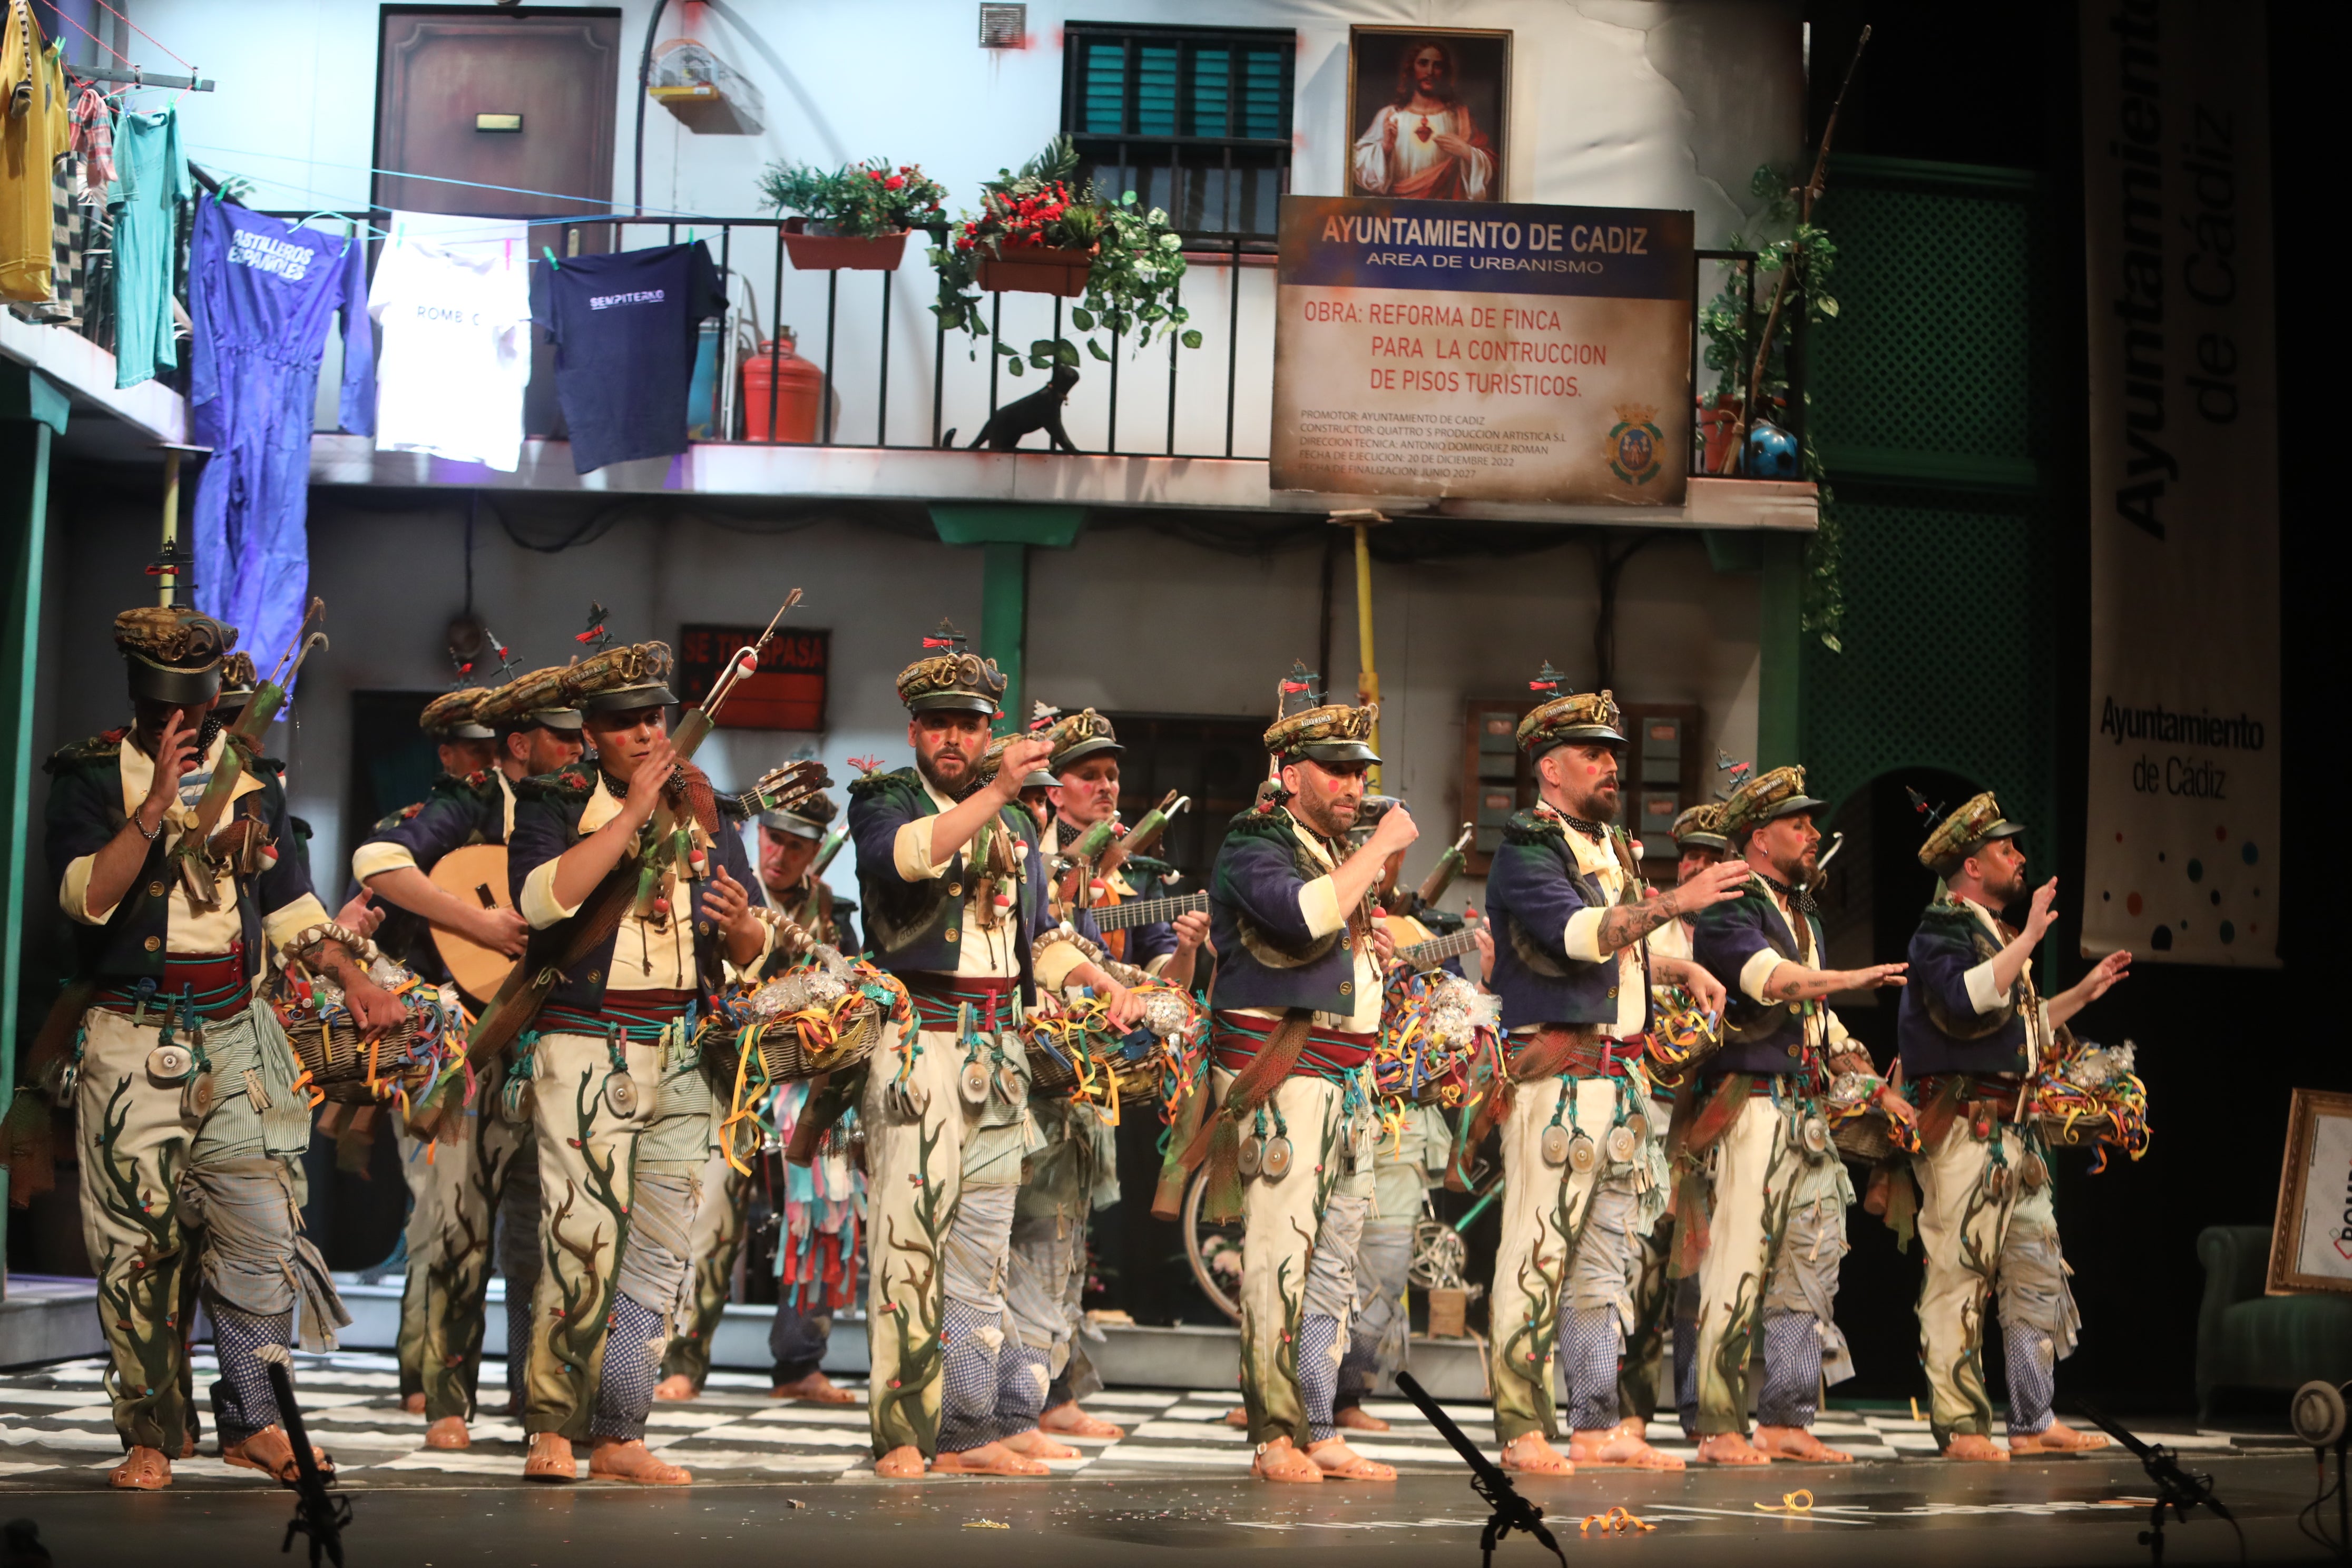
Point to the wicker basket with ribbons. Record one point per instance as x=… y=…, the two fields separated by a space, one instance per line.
x=824 y=1015
x=402 y=1064
x=1435 y=1026
x=1076 y=1053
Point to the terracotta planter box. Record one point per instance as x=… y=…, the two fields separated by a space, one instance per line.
x=841 y=252
x=1037 y=270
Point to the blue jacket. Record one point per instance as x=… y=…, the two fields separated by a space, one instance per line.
x=914 y=926
x=1265 y=955
x=85 y=812
x=547 y=823
x=1761 y=1037
x=1937 y=1028
x=454 y=813
x=1532 y=889
x=1155 y=939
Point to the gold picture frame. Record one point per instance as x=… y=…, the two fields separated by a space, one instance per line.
x=1479 y=88
x=2318 y=1127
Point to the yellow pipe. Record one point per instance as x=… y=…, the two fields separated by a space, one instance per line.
x=1368 y=679
x=167 y=582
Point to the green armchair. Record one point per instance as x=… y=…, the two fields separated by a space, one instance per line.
x=2249 y=1340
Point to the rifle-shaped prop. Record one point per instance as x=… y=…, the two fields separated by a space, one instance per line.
x=197 y=860
x=824 y=857
x=1155 y=823
x=1449 y=865
x=321 y=1514
x=633 y=884
x=1512 y=1511
x=1805 y=199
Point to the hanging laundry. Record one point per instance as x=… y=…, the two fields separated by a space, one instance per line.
x=34 y=133
x=150 y=183
x=453 y=297
x=263 y=293
x=623 y=327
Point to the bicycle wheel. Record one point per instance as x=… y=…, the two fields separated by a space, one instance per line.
x=1214 y=1251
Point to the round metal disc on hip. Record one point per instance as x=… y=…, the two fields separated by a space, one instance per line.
x=1639 y=1125
x=914 y=1098
x=621 y=1094
x=1621 y=1145
x=1252 y=1154
x=1275 y=1162
x=1583 y=1153
x=1816 y=1134
x=972 y=1083
x=2036 y=1174
x=517 y=1102
x=1996 y=1181
x=1010 y=1084
x=1555 y=1145
x=169 y=1064
x=196 y=1099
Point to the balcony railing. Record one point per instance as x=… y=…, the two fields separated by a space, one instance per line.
x=891 y=378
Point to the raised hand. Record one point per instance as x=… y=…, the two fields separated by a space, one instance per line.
x=499 y=930
x=1021 y=758
x=646 y=784
x=1715 y=885
x=175 y=758
x=1396 y=830
x=2043 y=915
x=726 y=903
x=1876 y=976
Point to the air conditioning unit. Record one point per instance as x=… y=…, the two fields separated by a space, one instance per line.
x=708 y=96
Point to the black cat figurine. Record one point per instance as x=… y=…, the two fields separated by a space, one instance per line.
x=1041 y=410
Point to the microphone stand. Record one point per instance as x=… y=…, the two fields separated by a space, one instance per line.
x=2176 y=1488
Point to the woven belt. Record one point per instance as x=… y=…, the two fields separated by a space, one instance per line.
x=1235 y=1037
x=629 y=1010
x=1982 y=1096
x=940 y=999
x=1551 y=1050
x=212 y=985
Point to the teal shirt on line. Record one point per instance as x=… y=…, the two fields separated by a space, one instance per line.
x=151 y=182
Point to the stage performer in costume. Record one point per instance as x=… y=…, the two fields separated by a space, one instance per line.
x=489 y=1176
x=797 y=1335
x=623 y=1111
x=191 y=1128
x=1078 y=1170
x=1766 y=1231
x=1584 y=1178
x=1290 y=1141
x=1973 y=1030
x=954 y=893
x=1423 y=145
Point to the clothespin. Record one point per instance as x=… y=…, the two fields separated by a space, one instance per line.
x=549 y=252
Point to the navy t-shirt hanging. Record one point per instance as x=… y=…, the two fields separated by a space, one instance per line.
x=625 y=326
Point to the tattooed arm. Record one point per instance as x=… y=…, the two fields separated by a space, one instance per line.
x=1623 y=925
x=1794 y=982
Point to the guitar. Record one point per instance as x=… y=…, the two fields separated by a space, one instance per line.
x=478 y=872
x=1109 y=918
x=1438 y=948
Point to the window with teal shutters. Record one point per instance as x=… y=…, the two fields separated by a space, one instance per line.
x=1195 y=119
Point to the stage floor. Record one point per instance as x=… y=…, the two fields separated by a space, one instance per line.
x=1177 y=1484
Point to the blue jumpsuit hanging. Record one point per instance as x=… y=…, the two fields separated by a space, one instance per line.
x=262 y=295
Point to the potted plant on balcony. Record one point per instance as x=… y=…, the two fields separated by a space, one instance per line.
x=1034 y=233
x=852 y=219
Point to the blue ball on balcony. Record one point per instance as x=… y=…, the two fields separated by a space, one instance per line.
x=1772 y=452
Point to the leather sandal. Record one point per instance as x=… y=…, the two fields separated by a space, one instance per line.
x=1340 y=1463
x=903 y=1463
x=414 y=1404
x=1798 y=1442
x=141 y=1470
x=1531 y=1454
x=1238 y=1417
x=551 y=1459
x=1356 y=1418
x=815 y=1389
x=449 y=1431
x=1977 y=1446
x=676 y=1385
x=2056 y=1438
x=988 y=1460
x=1618 y=1447
x=271 y=1452
x=616 y=1459
x=1035 y=1445
x=1278 y=1462
x=1066 y=1420
x=1730 y=1448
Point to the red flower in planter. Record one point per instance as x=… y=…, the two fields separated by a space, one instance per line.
x=896 y=182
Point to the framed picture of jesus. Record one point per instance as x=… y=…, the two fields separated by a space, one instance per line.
x=1429 y=110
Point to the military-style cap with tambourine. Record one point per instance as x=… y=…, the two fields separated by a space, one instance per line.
x=806 y=819
x=1964 y=830
x=1563 y=718
x=1077 y=736
x=947 y=677
x=238 y=678
x=1765 y=798
x=1310 y=730
x=542 y=700
x=620 y=678
x=173 y=652
x=456 y=716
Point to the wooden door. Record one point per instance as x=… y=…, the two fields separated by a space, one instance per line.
x=524 y=99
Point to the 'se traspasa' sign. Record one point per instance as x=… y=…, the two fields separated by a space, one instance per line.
x=1483 y=351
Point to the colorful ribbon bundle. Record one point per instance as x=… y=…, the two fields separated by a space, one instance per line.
x=2092 y=1092
x=824 y=1013
x=1435 y=1028
x=1158 y=1059
x=1680 y=1035
x=313 y=1014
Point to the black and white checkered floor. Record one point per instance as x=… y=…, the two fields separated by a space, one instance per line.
x=56 y=1420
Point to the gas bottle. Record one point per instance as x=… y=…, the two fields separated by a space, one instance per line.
x=777 y=377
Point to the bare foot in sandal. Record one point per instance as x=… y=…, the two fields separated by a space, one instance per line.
x=1035 y=1445
x=271 y=1452
x=903 y=1463
x=676 y=1385
x=1356 y=1418
x=1066 y=1420
x=1618 y=1447
x=1797 y=1442
x=1278 y=1462
x=2056 y=1438
x=1975 y=1446
x=614 y=1460
x=988 y=1460
x=141 y=1470
x=1531 y=1454
x=1339 y=1462
x=1729 y=1449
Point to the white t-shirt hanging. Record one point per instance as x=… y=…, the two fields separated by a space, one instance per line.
x=453 y=297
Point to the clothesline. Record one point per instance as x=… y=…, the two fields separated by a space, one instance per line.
x=139 y=30
x=650 y=214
